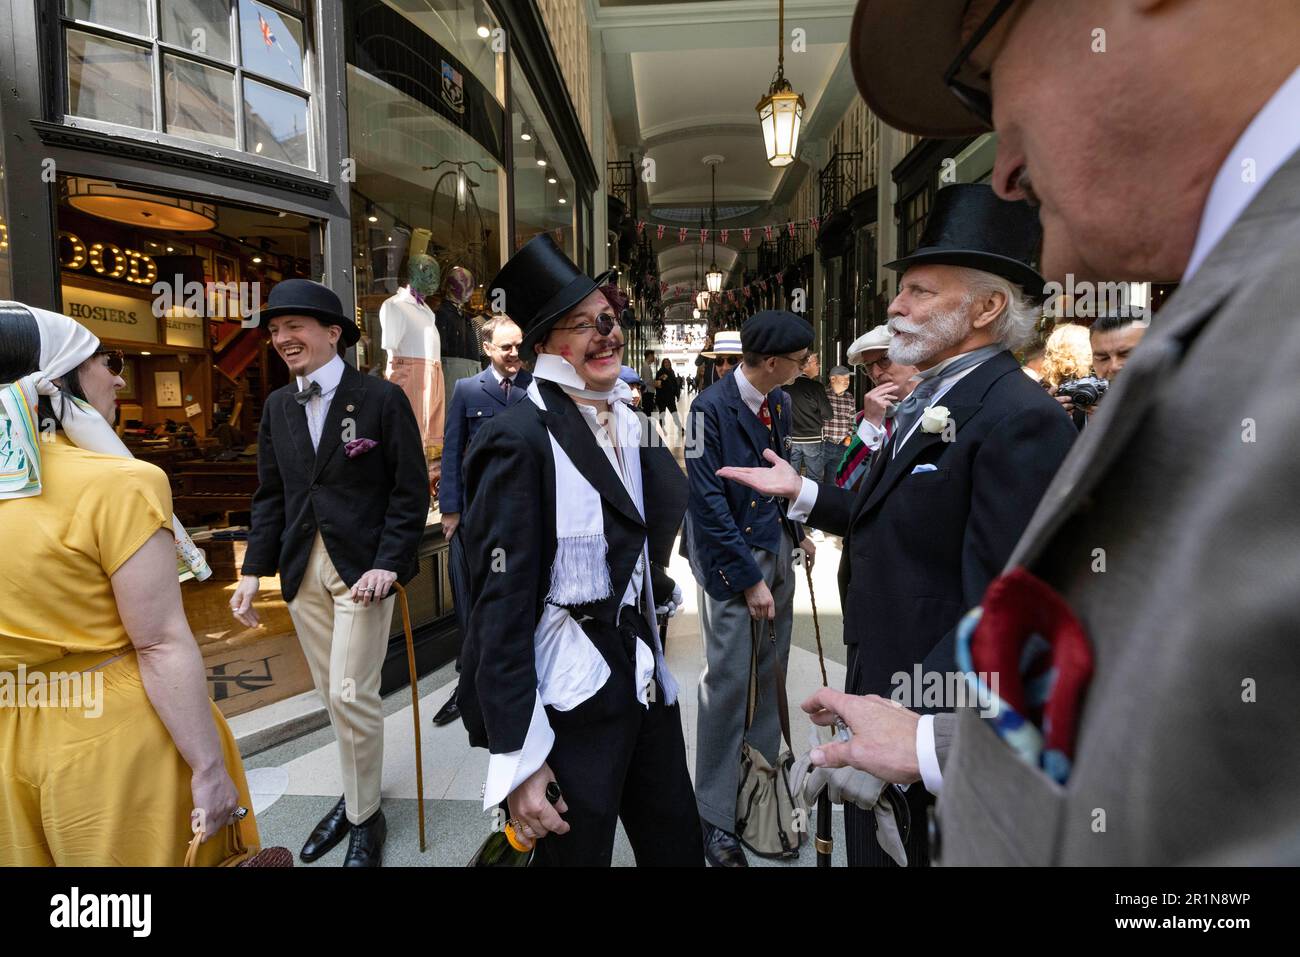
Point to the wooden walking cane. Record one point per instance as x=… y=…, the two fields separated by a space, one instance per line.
x=825 y=839
x=415 y=702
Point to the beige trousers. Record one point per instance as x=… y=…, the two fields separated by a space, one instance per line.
x=344 y=643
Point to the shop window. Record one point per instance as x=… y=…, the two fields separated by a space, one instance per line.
x=544 y=188
x=229 y=73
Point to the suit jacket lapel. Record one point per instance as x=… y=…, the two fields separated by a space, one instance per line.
x=759 y=437
x=488 y=383
x=295 y=416
x=963 y=400
x=566 y=423
x=345 y=404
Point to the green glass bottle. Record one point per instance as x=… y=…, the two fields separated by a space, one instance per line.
x=506 y=848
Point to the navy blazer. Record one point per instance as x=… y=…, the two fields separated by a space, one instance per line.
x=725 y=520
x=920 y=547
x=474 y=401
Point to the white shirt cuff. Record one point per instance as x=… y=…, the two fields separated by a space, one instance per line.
x=871 y=434
x=803 y=503
x=507 y=771
x=927 y=757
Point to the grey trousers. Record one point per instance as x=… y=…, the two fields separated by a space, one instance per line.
x=724 y=686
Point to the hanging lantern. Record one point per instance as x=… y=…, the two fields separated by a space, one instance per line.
x=713 y=278
x=780 y=111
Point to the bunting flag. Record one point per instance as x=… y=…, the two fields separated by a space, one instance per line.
x=640 y=227
x=681 y=235
x=790 y=227
x=659 y=231
x=748 y=292
x=663 y=288
x=723 y=236
x=767 y=233
x=704 y=236
x=745 y=232
x=702 y=233
x=814 y=220
x=780 y=279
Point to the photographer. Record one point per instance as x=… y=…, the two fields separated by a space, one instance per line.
x=1113 y=338
x=1067 y=359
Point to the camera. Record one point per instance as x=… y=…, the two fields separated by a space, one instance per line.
x=1083 y=392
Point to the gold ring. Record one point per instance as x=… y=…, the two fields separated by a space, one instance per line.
x=823 y=845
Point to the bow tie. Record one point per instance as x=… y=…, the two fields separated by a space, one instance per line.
x=305 y=395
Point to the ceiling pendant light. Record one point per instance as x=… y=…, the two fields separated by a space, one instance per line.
x=713 y=278
x=780 y=111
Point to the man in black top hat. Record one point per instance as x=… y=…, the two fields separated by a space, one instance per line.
x=562 y=674
x=972 y=450
x=341 y=504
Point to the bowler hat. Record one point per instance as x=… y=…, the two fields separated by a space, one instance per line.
x=303 y=297
x=969 y=225
x=540 y=284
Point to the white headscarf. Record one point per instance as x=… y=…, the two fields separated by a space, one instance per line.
x=65 y=345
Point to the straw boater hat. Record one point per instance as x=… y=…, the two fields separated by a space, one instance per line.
x=724 y=344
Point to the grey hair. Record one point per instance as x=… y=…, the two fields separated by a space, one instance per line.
x=1015 y=327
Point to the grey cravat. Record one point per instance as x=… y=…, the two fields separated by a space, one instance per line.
x=910 y=409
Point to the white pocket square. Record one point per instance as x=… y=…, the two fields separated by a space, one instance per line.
x=925 y=468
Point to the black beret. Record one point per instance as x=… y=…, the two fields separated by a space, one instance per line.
x=775 y=332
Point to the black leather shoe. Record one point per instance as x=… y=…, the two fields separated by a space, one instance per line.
x=723 y=849
x=448 y=713
x=366 y=845
x=333 y=827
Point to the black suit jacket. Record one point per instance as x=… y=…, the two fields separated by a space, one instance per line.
x=474 y=401
x=370 y=510
x=510 y=539
x=920 y=547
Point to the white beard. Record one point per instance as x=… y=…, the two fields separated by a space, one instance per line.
x=913 y=344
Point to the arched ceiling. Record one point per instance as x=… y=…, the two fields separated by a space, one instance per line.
x=682 y=80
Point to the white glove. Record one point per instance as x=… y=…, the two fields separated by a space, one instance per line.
x=847 y=786
x=674 y=604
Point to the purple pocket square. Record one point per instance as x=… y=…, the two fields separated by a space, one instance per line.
x=358 y=447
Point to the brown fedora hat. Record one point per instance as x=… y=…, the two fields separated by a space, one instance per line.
x=899 y=50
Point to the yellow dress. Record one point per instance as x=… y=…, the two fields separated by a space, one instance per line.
x=89 y=775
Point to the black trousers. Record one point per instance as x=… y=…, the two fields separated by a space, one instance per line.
x=860 y=833
x=458 y=572
x=860 y=826
x=630 y=765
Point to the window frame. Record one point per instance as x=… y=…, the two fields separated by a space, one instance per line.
x=159 y=48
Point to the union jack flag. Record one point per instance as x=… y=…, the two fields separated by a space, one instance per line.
x=267 y=36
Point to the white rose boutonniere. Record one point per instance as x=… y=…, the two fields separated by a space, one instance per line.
x=934 y=418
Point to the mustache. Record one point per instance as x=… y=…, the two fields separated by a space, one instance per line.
x=898 y=325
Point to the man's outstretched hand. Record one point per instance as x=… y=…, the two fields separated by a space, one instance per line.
x=884 y=735
x=779 y=480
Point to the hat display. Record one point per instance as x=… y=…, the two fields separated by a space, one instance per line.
x=900 y=50
x=541 y=284
x=725 y=343
x=774 y=332
x=303 y=297
x=874 y=340
x=969 y=225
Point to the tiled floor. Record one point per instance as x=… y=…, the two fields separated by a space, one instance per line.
x=298 y=781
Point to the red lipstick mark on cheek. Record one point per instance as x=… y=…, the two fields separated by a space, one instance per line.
x=565 y=351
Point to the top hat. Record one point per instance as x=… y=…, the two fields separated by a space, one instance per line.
x=900 y=50
x=541 y=284
x=970 y=226
x=724 y=344
x=303 y=297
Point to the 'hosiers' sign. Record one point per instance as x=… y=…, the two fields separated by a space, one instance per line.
x=106 y=259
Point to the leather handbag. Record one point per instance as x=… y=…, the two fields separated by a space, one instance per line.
x=765 y=806
x=238 y=855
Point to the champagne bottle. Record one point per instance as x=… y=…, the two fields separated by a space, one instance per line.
x=506 y=847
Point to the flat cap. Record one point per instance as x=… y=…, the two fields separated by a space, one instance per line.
x=841 y=370
x=775 y=332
